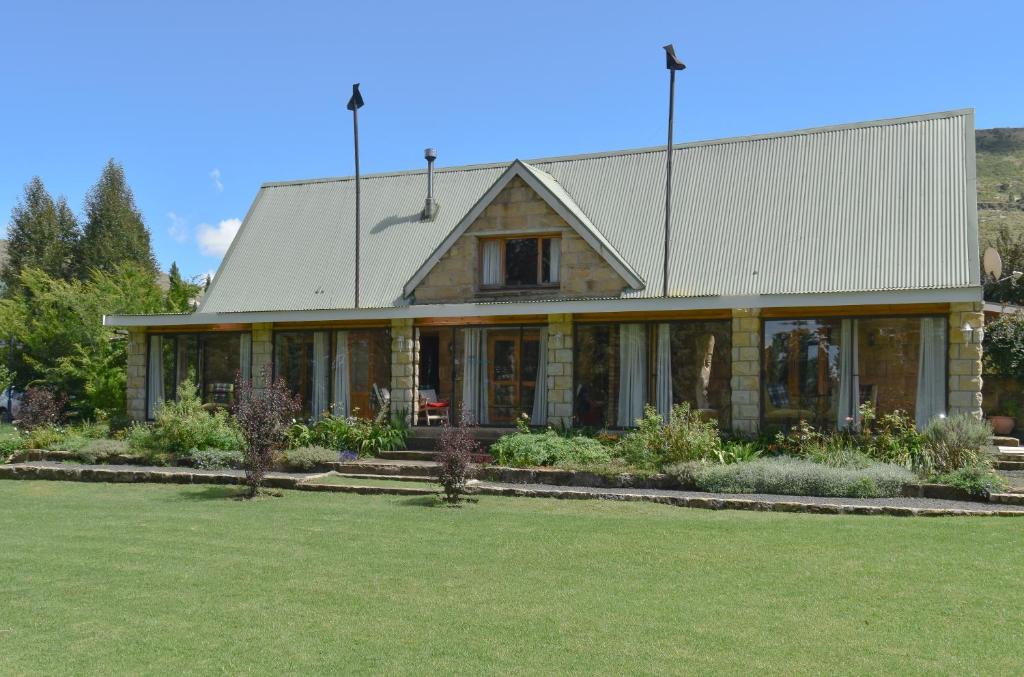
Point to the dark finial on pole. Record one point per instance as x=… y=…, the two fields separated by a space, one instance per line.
x=673 y=64
x=354 y=104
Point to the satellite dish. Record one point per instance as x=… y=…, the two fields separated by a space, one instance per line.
x=992 y=263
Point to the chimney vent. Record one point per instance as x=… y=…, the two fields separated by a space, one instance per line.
x=430 y=207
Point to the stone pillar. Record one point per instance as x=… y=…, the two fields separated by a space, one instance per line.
x=746 y=370
x=137 y=373
x=559 y=366
x=964 y=394
x=262 y=353
x=404 y=351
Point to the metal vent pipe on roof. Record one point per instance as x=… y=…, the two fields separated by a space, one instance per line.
x=431 y=206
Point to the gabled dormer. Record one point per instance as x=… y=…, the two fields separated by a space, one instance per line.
x=525 y=237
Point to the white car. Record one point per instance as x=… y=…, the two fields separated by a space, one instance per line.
x=10 y=404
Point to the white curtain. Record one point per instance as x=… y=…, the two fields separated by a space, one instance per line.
x=342 y=405
x=847 y=413
x=539 y=416
x=931 y=371
x=632 y=374
x=474 y=375
x=555 y=264
x=663 y=378
x=321 y=358
x=245 y=356
x=155 y=383
x=491 y=262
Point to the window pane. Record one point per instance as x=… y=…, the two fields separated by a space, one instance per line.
x=548 y=273
x=597 y=370
x=221 y=359
x=702 y=367
x=293 y=361
x=888 y=353
x=521 y=262
x=801 y=365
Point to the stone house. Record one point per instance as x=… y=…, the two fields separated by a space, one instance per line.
x=808 y=272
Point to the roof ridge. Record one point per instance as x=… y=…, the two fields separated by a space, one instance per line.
x=824 y=129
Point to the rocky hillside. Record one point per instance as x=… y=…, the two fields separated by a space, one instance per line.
x=1000 y=180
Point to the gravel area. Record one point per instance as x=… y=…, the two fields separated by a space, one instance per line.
x=898 y=502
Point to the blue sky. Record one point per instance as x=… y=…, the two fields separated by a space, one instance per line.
x=203 y=101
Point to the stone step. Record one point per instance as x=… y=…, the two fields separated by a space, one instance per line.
x=1008 y=465
x=386 y=468
x=394 y=478
x=407 y=455
x=1008 y=498
x=1000 y=441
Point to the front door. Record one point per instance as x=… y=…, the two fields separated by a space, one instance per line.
x=512 y=358
x=503 y=379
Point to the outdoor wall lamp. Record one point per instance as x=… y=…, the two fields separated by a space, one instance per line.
x=974 y=335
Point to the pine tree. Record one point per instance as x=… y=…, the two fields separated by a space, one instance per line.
x=114 y=232
x=180 y=292
x=42 y=234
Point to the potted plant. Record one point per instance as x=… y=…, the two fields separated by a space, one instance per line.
x=1004 y=422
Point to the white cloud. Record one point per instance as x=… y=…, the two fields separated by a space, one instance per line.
x=215 y=175
x=178 y=228
x=215 y=240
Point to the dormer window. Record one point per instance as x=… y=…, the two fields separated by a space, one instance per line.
x=520 y=262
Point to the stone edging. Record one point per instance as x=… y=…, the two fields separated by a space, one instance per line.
x=184 y=476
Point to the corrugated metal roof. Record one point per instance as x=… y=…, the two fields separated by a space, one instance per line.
x=886 y=205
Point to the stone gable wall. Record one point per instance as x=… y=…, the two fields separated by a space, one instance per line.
x=518 y=209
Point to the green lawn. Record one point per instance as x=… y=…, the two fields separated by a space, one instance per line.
x=115 y=579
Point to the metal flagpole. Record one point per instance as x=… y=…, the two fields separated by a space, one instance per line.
x=354 y=104
x=673 y=64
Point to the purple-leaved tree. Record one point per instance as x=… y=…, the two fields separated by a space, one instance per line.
x=263 y=416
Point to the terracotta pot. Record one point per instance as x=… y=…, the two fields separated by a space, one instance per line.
x=1002 y=425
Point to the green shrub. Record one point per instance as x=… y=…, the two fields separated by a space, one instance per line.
x=686 y=436
x=977 y=480
x=892 y=438
x=792 y=476
x=182 y=426
x=308 y=458
x=369 y=438
x=216 y=459
x=739 y=452
x=956 y=442
x=10 y=446
x=106 y=447
x=43 y=437
x=523 y=450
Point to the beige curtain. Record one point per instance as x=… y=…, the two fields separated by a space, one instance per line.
x=491 y=263
x=632 y=374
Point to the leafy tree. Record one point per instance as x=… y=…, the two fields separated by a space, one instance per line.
x=1004 y=346
x=42 y=234
x=1010 y=246
x=180 y=292
x=114 y=232
x=64 y=344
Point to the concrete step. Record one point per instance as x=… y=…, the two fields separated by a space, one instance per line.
x=384 y=468
x=1008 y=465
x=407 y=455
x=1000 y=441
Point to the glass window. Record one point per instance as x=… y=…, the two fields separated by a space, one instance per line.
x=701 y=360
x=369 y=365
x=520 y=262
x=888 y=356
x=597 y=374
x=801 y=371
x=293 y=361
x=221 y=364
x=211 y=360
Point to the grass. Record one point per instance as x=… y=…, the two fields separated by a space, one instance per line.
x=113 y=579
x=372 y=482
